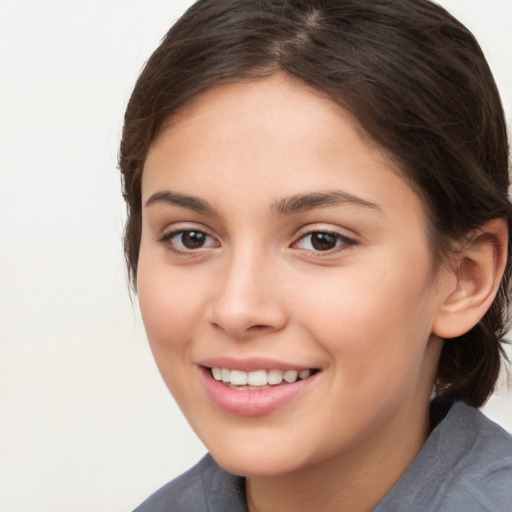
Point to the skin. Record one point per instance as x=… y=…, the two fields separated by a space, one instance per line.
x=363 y=312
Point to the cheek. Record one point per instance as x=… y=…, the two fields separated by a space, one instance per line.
x=170 y=312
x=170 y=306
x=371 y=321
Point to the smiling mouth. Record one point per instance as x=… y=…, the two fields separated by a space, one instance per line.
x=258 y=380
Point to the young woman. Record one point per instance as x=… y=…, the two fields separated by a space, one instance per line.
x=318 y=231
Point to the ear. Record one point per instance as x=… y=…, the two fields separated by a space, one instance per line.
x=478 y=268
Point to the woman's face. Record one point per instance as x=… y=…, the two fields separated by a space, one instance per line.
x=278 y=245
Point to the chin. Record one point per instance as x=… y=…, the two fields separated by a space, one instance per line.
x=250 y=466
x=261 y=457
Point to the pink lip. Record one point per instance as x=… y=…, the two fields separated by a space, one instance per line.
x=253 y=403
x=252 y=364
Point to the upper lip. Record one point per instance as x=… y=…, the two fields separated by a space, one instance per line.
x=251 y=364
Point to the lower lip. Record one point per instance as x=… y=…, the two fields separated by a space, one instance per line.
x=253 y=403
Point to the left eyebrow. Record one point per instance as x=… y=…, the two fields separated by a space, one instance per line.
x=303 y=202
x=185 y=201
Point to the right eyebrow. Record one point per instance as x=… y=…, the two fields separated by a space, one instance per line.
x=185 y=201
x=315 y=200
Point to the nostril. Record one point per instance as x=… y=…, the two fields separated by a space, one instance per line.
x=240 y=319
x=259 y=329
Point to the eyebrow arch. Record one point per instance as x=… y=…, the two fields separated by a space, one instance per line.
x=174 y=198
x=302 y=202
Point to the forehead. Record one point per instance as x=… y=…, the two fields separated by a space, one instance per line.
x=274 y=131
x=255 y=101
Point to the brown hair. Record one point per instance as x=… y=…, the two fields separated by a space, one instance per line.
x=415 y=79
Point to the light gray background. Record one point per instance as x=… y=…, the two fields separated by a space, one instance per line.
x=85 y=422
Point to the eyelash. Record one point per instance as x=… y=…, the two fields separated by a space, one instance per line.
x=342 y=242
x=167 y=238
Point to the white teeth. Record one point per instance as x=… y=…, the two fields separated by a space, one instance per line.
x=248 y=388
x=258 y=379
x=304 y=374
x=275 y=377
x=238 y=378
x=290 y=376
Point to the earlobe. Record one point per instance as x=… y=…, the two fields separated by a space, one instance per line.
x=478 y=269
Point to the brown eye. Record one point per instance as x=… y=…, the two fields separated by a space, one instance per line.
x=188 y=240
x=192 y=239
x=323 y=241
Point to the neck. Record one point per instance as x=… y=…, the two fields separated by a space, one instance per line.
x=354 y=481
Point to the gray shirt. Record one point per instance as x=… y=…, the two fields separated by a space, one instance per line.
x=465 y=466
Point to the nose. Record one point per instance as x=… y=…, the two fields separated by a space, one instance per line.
x=248 y=299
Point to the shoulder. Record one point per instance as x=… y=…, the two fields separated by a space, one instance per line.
x=466 y=464
x=204 y=488
x=481 y=469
